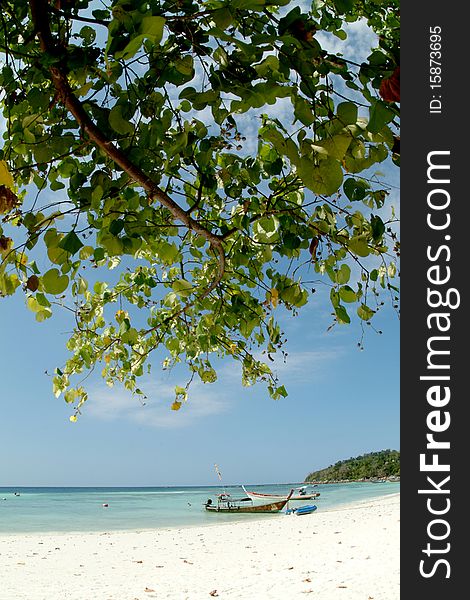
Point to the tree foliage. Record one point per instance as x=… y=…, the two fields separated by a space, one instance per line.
x=385 y=463
x=127 y=147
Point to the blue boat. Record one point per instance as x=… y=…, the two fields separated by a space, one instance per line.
x=302 y=510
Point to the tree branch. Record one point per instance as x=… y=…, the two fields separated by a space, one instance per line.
x=39 y=14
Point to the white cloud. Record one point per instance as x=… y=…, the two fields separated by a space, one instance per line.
x=304 y=366
x=119 y=404
x=205 y=400
x=298 y=367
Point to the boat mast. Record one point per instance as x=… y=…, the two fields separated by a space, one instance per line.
x=220 y=477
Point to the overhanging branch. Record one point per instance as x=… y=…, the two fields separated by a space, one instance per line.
x=40 y=18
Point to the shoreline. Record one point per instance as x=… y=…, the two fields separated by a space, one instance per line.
x=251 y=518
x=349 y=552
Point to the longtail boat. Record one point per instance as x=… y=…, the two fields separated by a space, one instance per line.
x=225 y=503
x=276 y=497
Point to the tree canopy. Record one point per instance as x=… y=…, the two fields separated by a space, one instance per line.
x=385 y=463
x=131 y=193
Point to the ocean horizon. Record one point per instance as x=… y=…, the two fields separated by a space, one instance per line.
x=94 y=509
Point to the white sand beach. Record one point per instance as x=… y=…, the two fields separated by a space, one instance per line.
x=350 y=553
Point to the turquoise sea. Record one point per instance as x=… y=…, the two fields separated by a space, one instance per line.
x=55 y=509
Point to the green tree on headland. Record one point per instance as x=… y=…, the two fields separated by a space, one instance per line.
x=125 y=149
x=374 y=465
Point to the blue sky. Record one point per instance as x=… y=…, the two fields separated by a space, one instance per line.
x=342 y=402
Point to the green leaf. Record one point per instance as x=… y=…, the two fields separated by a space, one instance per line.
x=365 y=313
x=377 y=58
x=334 y=147
x=355 y=189
x=100 y=14
x=57 y=255
x=377 y=227
x=342 y=315
x=43 y=153
x=179 y=144
x=117 y=121
x=5 y=175
x=324 y=178
x=347 y=294
x=182 y=288
x=152 y=27
x=208 y=375
x=124 y=326
x=347 y=113
x=341 y=34
x=303 y=111
x=343 y=6
x=70 y=396
x=112 y=244
x=131 y=336
x=222 y=17
x=293 y=294
x=116 y=226
x=379 y=116
x=70 y=243
x=185 y=65
x=267 y=66
x=43 y=314
x=33 y=304
x=88 y=34
x=42 y=300
x=168 y=253
x=57 y=185
x=86 y=252
x=358 y=245
x=265 y=230
x=343 y=274
x=54 y=283
x=248 y=4
x=131 y=48
x=98 y=254
x=334 y=297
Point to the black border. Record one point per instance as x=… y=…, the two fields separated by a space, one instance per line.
x=423 y=132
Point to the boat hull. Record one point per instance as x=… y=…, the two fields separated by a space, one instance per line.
x=272 y=507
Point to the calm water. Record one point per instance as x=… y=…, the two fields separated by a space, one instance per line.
x=81 y=509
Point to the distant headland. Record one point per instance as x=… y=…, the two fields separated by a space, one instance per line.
x=374 y=466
